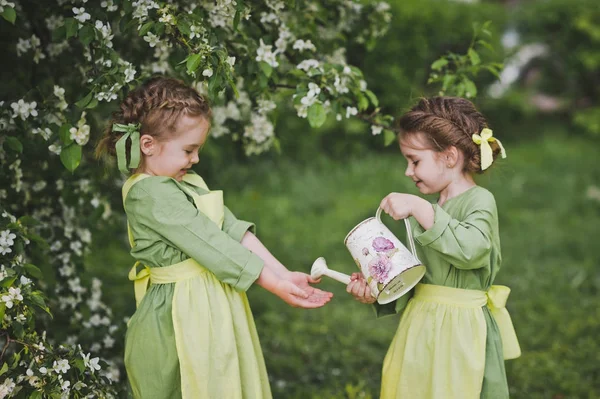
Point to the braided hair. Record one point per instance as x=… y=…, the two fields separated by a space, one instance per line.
x=157 y=106
x=446 y=122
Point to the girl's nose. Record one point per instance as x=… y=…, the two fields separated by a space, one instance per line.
x=408 y=172
x=195 y=158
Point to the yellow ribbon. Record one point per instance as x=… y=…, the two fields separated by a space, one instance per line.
x=141 y=280
x=497 y=296
x=483 y=141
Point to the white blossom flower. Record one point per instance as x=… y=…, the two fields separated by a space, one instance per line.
x=55 y=148
x=302 y=45
x=81 y=133
x=260 y=128
x=81 y=15
x=13 y=297
x=231 y=60
x=65 y=385
x=92 y=364
x=351 y=111
x=23 y=45
x=129 y=73
x=152 y=39
x=265 y=53
x=306 y=65
x=268 y=18
x=24 y=109
x=208 y=72
x=109 y=5
x=20 y=318
x=7 y=387
x=196 y=31
x=6 y=237
x=375 y=130
x=265 y=106
x=61 y=366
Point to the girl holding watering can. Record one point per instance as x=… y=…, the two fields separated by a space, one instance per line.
x=455 y=331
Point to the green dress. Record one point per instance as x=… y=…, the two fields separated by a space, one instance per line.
x=448 y=343
x=192 y=335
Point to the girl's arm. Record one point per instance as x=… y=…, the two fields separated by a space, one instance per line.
x=250 y=241
x=302 y=280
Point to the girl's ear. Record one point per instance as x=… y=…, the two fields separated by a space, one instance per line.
x=147 y=144
x=452 y=156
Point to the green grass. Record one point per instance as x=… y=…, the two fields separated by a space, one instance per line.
x=549 y=229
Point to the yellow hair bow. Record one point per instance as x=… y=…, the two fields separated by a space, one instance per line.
x=483 y=141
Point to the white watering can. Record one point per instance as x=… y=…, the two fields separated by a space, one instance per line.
x=390 y=268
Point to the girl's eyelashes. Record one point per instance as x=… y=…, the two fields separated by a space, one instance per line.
x=415 y=162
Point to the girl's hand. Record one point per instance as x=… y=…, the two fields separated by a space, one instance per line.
x=304 y=280
x=359 y=288
x=298 y=297
x=398 y=205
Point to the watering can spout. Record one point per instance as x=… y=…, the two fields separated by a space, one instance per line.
x=319 y=269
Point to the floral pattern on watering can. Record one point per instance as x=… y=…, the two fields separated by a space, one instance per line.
x=390 y=268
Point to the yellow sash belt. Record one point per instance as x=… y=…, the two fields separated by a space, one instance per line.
x=162 y=275
x=495 y=299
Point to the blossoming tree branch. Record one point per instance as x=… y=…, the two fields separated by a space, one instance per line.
x=71 y=62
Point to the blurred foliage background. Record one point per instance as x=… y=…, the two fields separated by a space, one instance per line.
x=305 y=198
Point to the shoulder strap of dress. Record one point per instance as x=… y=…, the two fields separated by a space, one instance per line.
x=125 y=190
x=195 y=180
x=130 y=182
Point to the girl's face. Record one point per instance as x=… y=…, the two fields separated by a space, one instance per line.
x=426 y=167
x=174 y=156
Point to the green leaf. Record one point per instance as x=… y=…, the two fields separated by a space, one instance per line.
x=2 y=311
x=193 y=62
x=372 y=98
x=72 y=25
x=388 y=137
x=10 y=15
x=145 y=28
x=184 y=27
x=485 y=44
x=87 y=34
x=92 y=104
x=65 y=134
x=316 y=115
x=266 y=68
x=470 y=88
x=35 y=395
x=448 y=82
x=14 y=144
x=4 y=368
x=474 y=57
x=84 y=101
x=28 y=221
x=439 y=64
x=70 y=156
x=236 y=20
x=8 y=282
x=363 y=103
x=33 y=270
x=38 y=299
x=59 y=33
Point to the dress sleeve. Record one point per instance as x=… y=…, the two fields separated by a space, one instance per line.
x=159 y=204
x=235 y=227
x=467 y=243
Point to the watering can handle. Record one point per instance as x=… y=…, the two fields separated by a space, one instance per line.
x=411 y=242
